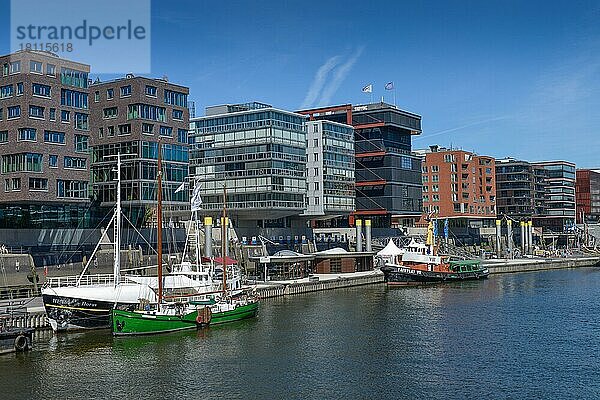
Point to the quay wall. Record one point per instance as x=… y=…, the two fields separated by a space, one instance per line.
x=306 y=287
x=527 y=265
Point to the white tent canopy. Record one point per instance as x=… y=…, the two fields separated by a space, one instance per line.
x=390 y=250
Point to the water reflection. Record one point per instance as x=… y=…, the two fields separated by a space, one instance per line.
x=528 y=335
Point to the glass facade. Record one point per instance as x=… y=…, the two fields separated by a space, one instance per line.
x=259 y=154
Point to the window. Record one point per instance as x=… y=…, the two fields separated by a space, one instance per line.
x=73 y=99
x=316 y=171
x=125 y=91
x=81 y=143
x=449 y=158
x=19 y=88
x=96 y=96
x=27 y=134
x=175 y=98
x=406 y=162
x=6 y=91
x=110 y=93
x=145 y=111
x=435 y=178
x=182 y=136
x=29 y=162
x=454 y=168
x=54 y=137
x=424 y=169
x=38 y=184
x=5 y=69
x=14 y=112
x=36 y=111
x=425 y=178
x=166 y=131
x=81 y=121
x=147 y=128
x=15 y=67
x=315 y=156
x=75 y=162
x=110 y=112
x=100 y=133
x=65 y=116
x=74 y=78
x=35 y=67
x=435 y=188
x=435 y=168
x=1 y=114
x=316 y=142
x=178 y=115
x=316 y=201
x=435 y=197
x=53 y=161
x=111 y=131
x=51 y=69
x=40 y=90
x=125 y=129
x=16 y=183
x=3 y=136
x=71 y=189
x=151 y=91
x=316 y=185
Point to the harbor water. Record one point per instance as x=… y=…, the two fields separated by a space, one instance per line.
x=513 y=336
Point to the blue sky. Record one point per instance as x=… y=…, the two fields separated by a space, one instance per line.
x=503 y=78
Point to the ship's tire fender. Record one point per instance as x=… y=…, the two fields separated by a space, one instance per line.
x=21 y=343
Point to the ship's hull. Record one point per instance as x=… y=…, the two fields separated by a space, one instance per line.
x=241 y=312
x=147 y=323
x=400 y=275
x=71 y=313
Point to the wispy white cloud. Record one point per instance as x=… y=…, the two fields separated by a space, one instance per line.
x=319 y=81
x=338 y=77
x=461 y=127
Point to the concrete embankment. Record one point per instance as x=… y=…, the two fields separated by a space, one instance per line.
x=525 y=265
x=325 y=282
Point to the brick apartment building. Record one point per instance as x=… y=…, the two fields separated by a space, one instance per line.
x=587 y=193
x=459 y=186
x=132 y=115
x=44 y=134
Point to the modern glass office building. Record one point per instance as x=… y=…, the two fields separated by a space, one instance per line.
x=388 y=175
x=329 y=169
x=259 y=153
x=520 y=189
x=560 y=200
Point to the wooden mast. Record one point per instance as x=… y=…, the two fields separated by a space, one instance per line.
x=224 y=240
x=159 y=226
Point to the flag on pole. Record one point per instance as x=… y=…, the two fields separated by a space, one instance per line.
x=368 y=88
x=180 y=188
x=446 y=228
x=389 y=86
x=196 y=199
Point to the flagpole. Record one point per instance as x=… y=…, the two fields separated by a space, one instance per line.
x=394 y=96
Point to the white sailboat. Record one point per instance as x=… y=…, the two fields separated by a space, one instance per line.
x=86 y=301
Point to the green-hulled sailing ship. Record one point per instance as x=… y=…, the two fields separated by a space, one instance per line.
x=176 y=314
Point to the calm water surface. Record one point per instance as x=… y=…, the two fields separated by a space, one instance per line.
x=520 y=336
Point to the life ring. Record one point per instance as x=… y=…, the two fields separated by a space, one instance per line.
x=21 y=343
